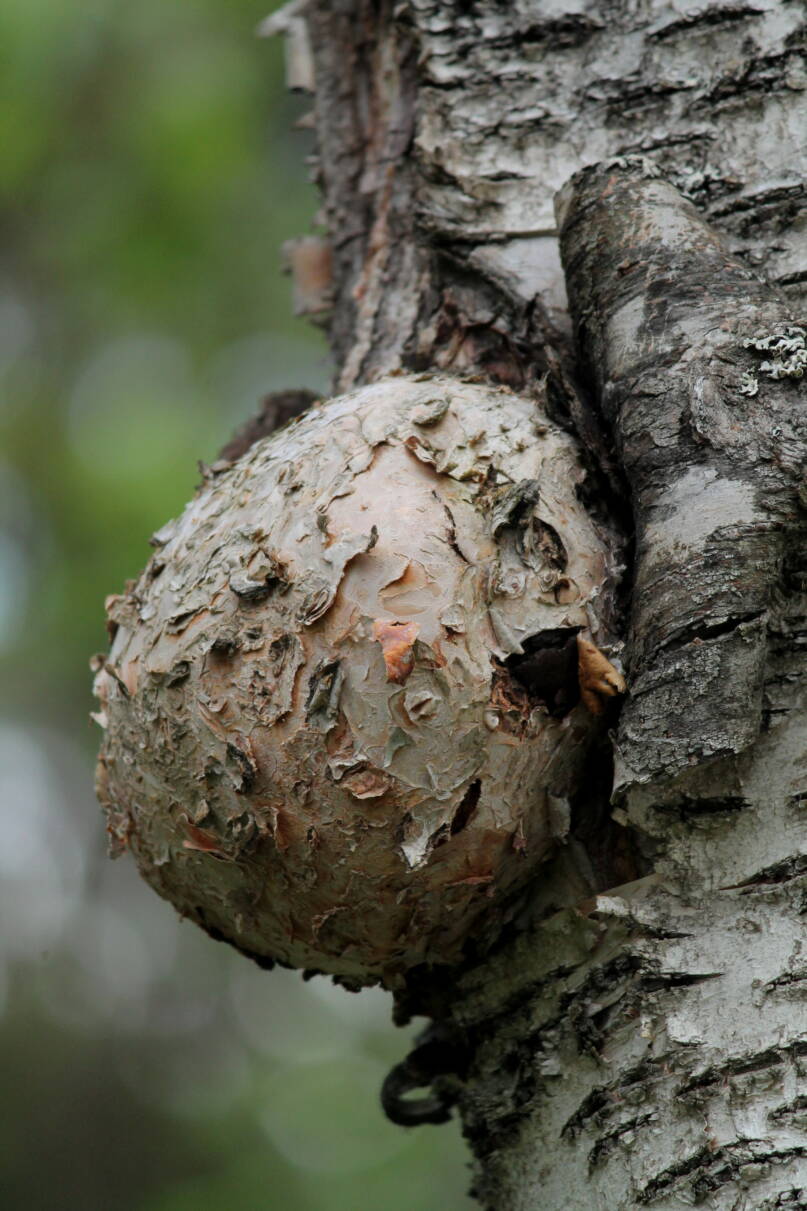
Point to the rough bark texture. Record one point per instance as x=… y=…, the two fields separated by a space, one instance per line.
x=444 y=130
x=665 y=319
x=645 y=1047
x=380 y=575
x=657 y=1047
x=636 y=1037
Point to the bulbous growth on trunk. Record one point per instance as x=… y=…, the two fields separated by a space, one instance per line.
x=342 y=710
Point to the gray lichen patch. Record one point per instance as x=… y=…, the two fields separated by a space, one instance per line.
x=306 y=703
x=788 y=360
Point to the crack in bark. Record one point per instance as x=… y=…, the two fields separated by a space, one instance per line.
x=703 y=632
x=688 y=807
x=767 y=74
x=781 y=872
x=710 y=1169
x=606 y=1098
x=710 y=15
x=677 y=979
x=496 y=96
x=795 y=1110
x=716 y=1076
x=607 y=1143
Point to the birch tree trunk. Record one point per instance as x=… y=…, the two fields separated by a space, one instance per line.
x=639 y=1039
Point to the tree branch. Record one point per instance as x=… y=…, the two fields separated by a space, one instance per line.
x=666 y=320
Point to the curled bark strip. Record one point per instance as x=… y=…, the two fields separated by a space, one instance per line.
x=664 y=318
x=438 y=1064
x=599 y=680
x=397 y=641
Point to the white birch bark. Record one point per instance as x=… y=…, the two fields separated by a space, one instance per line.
x=637 y=1043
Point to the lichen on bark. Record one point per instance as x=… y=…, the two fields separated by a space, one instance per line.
x=636 y=1036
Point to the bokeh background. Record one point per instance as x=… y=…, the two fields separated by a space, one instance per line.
x=149 y=172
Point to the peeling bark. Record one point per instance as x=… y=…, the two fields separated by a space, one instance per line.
x=656 y=1049
x=639 y=1039
x=445 y=129
x=284 y=676
x=636 y=1038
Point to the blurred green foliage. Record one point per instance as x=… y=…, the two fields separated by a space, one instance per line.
x=147 y=180
x=148 y=176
